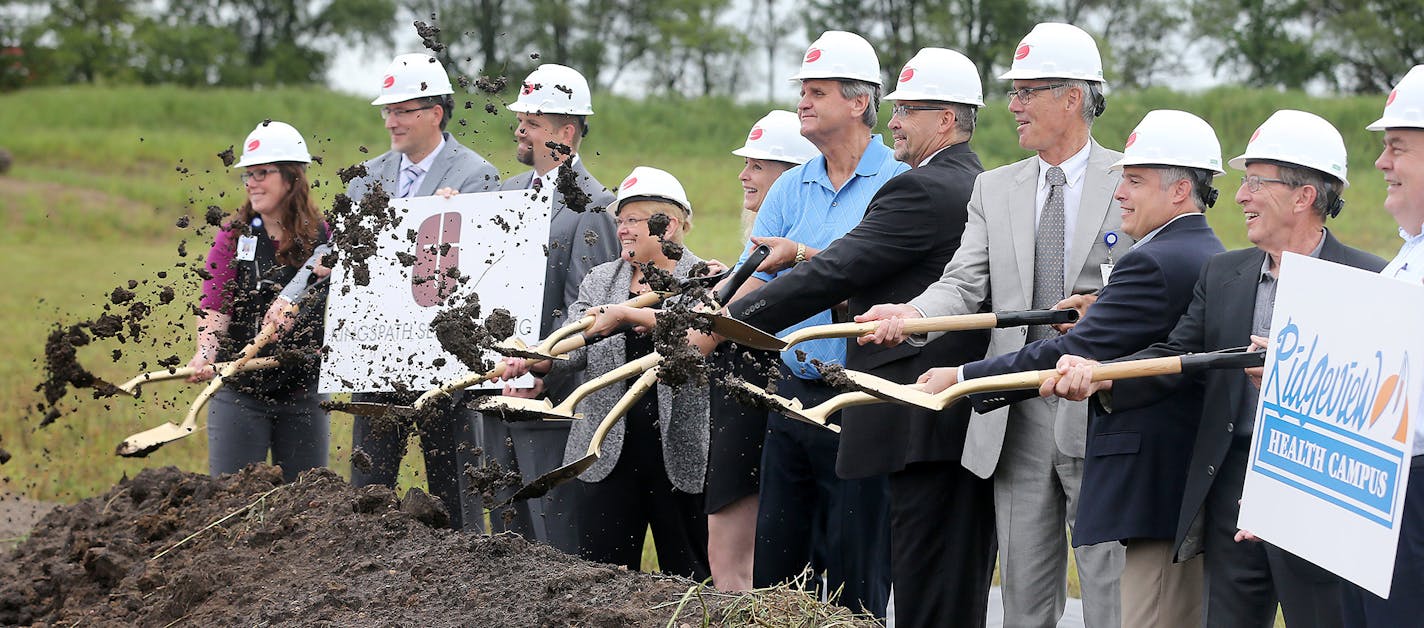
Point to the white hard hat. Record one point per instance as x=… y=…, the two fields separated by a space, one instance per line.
x=1405 y=106
x=554 y=89
x=939 y=74
x=411 y=76
x=1300 y=138
x=1166 y=137
x=645 y=181
x=777 y=137
x=1054 y=50
x=840 y=55
x=272 y=142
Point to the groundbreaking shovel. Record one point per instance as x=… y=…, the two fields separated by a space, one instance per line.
x=877 y=390
x=131 y=387
x=748 y=336
x=146 y=442
x=544 y=483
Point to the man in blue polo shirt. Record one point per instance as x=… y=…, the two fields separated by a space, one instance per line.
x=807 y=515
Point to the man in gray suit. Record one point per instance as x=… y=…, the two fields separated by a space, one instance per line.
x=552 y=108
x=416 y=104
x=1039 y=230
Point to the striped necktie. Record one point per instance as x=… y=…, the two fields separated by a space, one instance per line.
x=409 y=176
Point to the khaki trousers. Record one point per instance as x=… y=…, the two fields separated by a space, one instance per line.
x=1157 y=592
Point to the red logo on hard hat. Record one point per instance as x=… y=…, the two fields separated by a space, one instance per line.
x=629 y=182
x=755 y=134
x=388 y=81
x=528 y=89
x=251 y=146
x=908 y=74
x=1390 y=101
x=812 y=55
x=1130 y=139
x=1022 y=52
x=1255 y=135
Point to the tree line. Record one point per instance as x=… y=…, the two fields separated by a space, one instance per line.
x=695 y=47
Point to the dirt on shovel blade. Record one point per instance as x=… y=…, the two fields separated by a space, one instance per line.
x=318 y=552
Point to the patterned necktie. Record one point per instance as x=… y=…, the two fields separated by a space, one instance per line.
x=1048 y=253
x=408 y=178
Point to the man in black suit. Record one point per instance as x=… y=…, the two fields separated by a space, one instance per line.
x=941 y=515
x=1295 y=169
x=1135 y=465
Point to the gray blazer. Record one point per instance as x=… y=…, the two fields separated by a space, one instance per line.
x=682 y=411
x=455 y=167
x=994 y=264
x=572 y=252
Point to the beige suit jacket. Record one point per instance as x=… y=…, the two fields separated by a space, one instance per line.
x=994 y=265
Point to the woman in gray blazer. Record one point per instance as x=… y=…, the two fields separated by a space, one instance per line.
x=651 y=468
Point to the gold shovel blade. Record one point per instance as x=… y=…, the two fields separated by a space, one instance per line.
x=142 y=444
x=520 y=409
x=367 y=408
x=544 y=483
x=742 y=333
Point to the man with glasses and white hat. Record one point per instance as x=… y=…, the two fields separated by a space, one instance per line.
x=1039 y=230
x=416 y=103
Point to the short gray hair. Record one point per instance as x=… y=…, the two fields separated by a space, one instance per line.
x=1092 y=92
x=1198 y=177
x=853 y=89
x=1327 y=188
x=965 y=116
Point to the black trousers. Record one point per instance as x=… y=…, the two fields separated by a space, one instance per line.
x=809 y=516
x=1245 y=580
x=942 y=545
x=443 y=439
x=613 y=515
x=1405 y=605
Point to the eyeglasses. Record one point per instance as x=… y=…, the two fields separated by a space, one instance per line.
x=630 y=221
x=1255 y=181
x=1025 y=94
x=387 y=112
x=257 y=175
x=903 y=110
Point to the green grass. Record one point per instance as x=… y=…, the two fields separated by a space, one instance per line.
x=102 y=174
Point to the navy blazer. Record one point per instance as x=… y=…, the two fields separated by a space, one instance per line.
x=910 y=231
x=1219 y=317
x=1135 y=464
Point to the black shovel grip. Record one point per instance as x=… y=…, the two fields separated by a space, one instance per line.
x=1235 y=359
x=744 y=272
x=1036 y=317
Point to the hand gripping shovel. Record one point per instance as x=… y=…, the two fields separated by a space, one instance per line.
x=517 y=408
x=748 y=336
x=877 y=390
x=544 y=483
x=132 y=387
x=146 y=442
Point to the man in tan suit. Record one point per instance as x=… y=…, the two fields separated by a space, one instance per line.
x=1039 y=230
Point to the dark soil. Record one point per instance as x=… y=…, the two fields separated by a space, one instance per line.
x=460 y=335
x=227 y=157
x=574 y=196
x=317 y=552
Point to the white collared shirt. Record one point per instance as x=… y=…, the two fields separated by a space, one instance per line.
x=424 y=164
x=1408 y=265
x=1075 y=169
x=550 y=178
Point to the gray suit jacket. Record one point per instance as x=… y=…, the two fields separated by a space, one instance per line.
x=455 y=167
x=572 y=252
x=994 y=265
x=682 y=411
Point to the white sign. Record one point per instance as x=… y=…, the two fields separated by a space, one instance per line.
x=1331 y=450
x=379 y=334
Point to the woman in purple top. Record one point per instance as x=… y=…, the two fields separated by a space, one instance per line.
x=254 y=256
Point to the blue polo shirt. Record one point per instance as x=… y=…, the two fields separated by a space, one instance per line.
x=804 y=207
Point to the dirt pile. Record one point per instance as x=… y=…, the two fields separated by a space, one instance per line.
x=315 y=552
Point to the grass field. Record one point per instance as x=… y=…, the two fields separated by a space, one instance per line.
x=102 y=174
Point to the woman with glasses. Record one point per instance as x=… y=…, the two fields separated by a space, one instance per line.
x=253 y=258
x=652 y=464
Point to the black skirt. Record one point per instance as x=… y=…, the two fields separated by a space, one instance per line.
x=738 y=431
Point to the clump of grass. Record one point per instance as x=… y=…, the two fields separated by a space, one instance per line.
x=788 y=605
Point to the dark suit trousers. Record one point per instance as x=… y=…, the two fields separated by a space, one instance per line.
x=1245 y=580
x=441 y=439
x=1405 y=606
x=532 y=448
x=807 y=515
x=942 y=544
